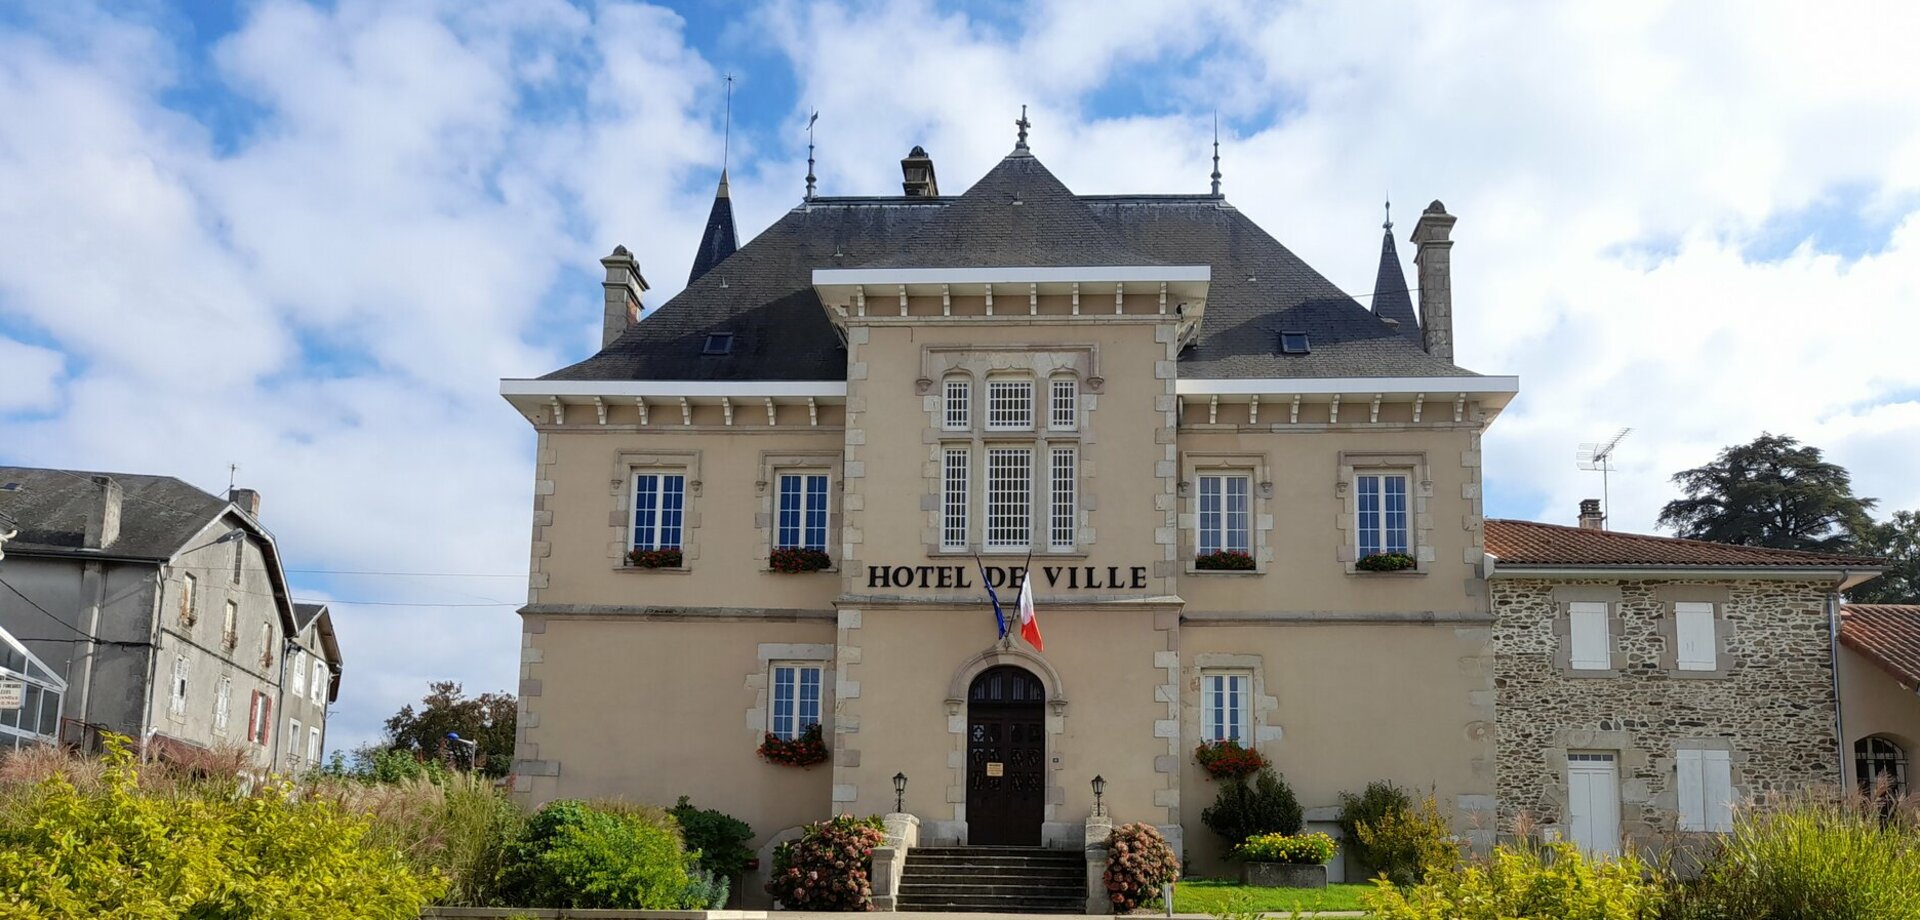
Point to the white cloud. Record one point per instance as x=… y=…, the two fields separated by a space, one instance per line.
x=29 y=376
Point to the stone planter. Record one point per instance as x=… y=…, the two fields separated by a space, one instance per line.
x=1283 y=875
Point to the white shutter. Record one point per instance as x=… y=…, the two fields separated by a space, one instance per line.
x=1693 y=628
x=1588 y=632
x=1716 y=769
x=1691 y=786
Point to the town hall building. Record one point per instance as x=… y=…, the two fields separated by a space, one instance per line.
x=1249 y=505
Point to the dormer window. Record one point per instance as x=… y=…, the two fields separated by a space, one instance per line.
x=1294 y=343
x=718 y=343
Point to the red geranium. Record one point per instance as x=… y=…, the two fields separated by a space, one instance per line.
x=803 y=751
x=1227 y=759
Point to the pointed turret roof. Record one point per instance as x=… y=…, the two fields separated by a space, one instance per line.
x=718 y=242
x=1390 y=297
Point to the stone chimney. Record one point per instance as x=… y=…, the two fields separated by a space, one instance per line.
x=103 y=517
x=247 y=499
x=1590 y=516
x=916 y=173
x=624 y=285
x=1433 y=238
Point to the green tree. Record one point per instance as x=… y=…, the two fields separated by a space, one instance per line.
x=487 y=719
x=1898 y=542
x=1771 y=492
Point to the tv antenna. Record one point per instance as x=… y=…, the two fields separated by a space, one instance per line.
x=1599 y=456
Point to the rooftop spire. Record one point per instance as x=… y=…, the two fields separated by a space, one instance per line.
x=1020 y=146
x=1388 y=226
x=810 y=120
x=718 y=241
x=726 y=137
x=1391 y=300
x=1216 y=154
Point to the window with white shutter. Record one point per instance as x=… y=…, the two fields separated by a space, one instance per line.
x=297 y=671
x=177 y=702
x=1693 y=631
x=223 y=705
x=1591 y=646
x=1704 y=783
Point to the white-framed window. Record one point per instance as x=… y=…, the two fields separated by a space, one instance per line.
x=293 y=740
x=954 y=499
x=239 y=558
x=259 y=718
x=1225 y=513
x=177 y=700
x=1590 y=645
x=801 y=518
x=1696 y=648
x=1705 y=785
x=1381 y=513
x=1063 y=404
x=297 y=672
x=956 y=404
x=1009 y=498
x=189 y=599
x=230 y=625
x=313 y=744
x=659 y=508
x=794 y=699
x=1010 y=405
x=319 y=680
x=1064 y=505
x=1226 y=706
x=223 y=704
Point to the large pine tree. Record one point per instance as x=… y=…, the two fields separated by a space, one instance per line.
x=1772 y=492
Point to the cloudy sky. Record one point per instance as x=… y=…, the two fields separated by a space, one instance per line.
x=308 y=239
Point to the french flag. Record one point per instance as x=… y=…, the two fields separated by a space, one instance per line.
x=1029 y=623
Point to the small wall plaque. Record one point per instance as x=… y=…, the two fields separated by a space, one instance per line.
x=996 y=769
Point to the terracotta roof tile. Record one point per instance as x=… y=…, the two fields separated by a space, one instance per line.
x=1889 y=634
x=1530 y=543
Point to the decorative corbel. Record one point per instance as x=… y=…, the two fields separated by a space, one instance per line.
x=1333 y=417
x=760 y=487
x=600 y=408
x=903 y=300
x=559 y=411
x=1163 y=298
x=860 y=300
x=1033 y=298
x=954 y=706
x=1459 y=406
x=1373 y=411
x=686 y=411
x=773 y=418
x=1058 y=705
x=1253 y=410
x=1419 y=400
x=923 y=386
x=1213 y=409
x=1266 y=488
x=946 y=300
x=726 y=408
x=813 y=412
x=640 y=402
x=1294 y=418
x=989 y=300
x=1183 y=489
x=1119 y=298
x=1096 y=385
x=1076 y=298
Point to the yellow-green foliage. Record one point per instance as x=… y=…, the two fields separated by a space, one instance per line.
x=1298 y=849
x=458 y=826
x=115 y=850
x=1554 y=882
x=1404 y=844
x=1811 y=857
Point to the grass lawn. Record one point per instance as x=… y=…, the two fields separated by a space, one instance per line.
x=1204 y=896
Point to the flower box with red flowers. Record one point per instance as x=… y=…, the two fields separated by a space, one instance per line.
x=794 y=560
x=804 y=750
x=1227 y=759
x=1226 y=560
x=666 y=557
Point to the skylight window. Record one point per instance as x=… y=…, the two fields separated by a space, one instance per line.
x=718 y=343
x=1294 y=343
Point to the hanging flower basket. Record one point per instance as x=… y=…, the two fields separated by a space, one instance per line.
x=792 y=559
x=666 y=557
x=1227 y=759
x=804 y=751
x=1386 y=562
x=1226 y=560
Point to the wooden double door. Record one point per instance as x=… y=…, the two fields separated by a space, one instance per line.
x=1006 y=758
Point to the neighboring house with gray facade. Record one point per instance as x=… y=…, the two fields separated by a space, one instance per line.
x=166 y=613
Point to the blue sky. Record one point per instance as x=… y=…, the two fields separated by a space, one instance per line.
x=308 y=238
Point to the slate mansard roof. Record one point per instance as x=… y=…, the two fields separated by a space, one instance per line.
x=1019 y=215
x=1527 y=543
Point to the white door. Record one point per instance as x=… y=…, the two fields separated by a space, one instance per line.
x=1593 y=803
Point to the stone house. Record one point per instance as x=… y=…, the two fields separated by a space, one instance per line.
x=1880 y=694
x=166 y=614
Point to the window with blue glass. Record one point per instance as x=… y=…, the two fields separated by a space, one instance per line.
x=659 y=508
x=795 y=700
x=1223 y=705
x=802 y=519
x=1224 y=514
x=1381 y=513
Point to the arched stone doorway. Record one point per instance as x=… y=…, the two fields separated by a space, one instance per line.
x=1006 y=757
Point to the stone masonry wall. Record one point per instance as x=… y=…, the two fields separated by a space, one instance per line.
x=1771 y=703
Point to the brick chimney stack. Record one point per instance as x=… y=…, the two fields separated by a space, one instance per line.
x=624 y=285
x=1590 y=516
x=1433 y=262
x=103 y=518
x=247 y=499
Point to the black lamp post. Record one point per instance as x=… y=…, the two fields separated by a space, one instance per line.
x=899 y=792
x=1099 y=789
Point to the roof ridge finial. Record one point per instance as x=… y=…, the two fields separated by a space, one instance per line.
x=726 y=136
x=1388 y=226
x=1023 y=125
x=810 y=180
x=1216 y=154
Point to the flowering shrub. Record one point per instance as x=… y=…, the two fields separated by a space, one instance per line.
x=1226 y=560
x=805 y=751
x=1385 y=562
x=666 y=557
x=1139 y=861
x=1227 y=759
x=1299 y=850
x=792 y=559
x=1555 y=882
x=830 y=867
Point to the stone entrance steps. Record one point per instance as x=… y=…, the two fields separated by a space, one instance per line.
x=1010 y=880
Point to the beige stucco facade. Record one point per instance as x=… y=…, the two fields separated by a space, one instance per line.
x=1874 y=704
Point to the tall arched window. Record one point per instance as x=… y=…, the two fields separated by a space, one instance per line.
x=1878 y=761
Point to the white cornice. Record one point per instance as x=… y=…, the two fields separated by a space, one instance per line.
x=1030 y=275
x=1327 y=386
x=585 y=389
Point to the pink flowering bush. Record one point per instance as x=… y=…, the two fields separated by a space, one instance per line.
x=1139 y=861
x=830 y=867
